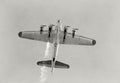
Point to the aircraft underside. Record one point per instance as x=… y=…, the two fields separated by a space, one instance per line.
x=56 y=36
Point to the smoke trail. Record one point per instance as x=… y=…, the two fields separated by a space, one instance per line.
x=43 y=75
x=47 y=51
x=43 y=70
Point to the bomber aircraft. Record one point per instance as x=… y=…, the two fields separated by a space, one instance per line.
x=56 y=36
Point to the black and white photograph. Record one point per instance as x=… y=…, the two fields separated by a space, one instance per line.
x=59 y=41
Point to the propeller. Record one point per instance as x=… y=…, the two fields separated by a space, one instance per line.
x=41 y=28
x=65 y=29
x=50 y=29
x=74 y=31
x=65 y=32
x=51 y=25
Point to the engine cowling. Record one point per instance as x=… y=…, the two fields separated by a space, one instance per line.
x=73 y=32
x=65 y=32
x=50 y=29
x=41 y=28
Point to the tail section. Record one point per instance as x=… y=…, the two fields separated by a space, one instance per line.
x=52 y=64
x=58 y=64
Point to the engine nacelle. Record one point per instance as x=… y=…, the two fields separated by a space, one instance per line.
x=65 y=29
x=50 y=29
x=73 y=32
x=41 y=28
x=65 y=32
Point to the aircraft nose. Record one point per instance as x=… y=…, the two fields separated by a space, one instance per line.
x=20 y=34
x=93 y=42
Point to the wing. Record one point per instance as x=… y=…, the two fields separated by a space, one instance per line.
x=36 y=35
x=77 y=40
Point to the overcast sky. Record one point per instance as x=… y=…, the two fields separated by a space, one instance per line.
x=97 y=19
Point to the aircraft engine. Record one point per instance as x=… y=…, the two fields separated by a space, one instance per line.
x=73 y=32
x=41 y=28
x=65 y=32
x=50 y=29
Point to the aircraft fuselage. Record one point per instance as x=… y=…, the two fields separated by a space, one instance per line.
x=55 y=44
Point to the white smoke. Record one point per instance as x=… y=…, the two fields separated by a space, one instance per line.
x=43 y=69
x=47 y=51
x=43 y=74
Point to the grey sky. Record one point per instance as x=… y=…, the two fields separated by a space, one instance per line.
x=97 y=19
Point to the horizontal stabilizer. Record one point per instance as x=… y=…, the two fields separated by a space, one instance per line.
x=48 y=63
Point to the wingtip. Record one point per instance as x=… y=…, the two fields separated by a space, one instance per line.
x=20 y=34
x=93 y=42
